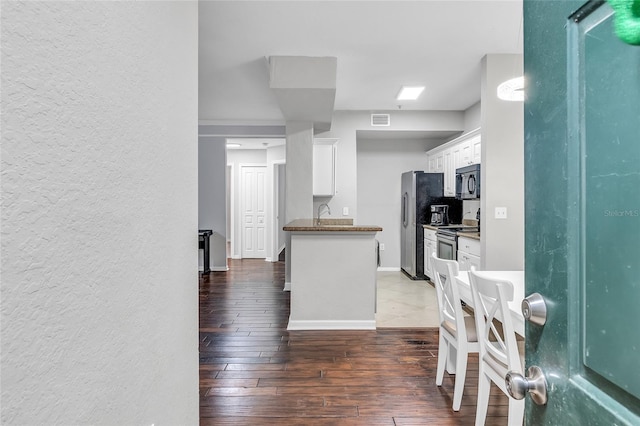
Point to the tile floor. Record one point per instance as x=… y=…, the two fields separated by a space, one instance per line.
x=403 y=302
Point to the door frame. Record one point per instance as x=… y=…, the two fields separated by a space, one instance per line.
x=553 y=264
x=274 y=199
x=232 y=211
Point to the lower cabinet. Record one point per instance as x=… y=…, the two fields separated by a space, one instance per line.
x=430 y=247
x=468 y=253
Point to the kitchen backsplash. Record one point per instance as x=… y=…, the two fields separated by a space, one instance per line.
x=470 y=208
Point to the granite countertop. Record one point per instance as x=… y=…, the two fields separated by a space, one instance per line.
x=329 y=225
x=472 y=235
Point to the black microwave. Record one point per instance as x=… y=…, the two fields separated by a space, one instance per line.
x=468 y=182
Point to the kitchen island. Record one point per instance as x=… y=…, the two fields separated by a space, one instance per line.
x=333 y=275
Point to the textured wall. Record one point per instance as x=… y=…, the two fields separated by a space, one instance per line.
x=212 y=192
x=502 y=167
x=99 y=213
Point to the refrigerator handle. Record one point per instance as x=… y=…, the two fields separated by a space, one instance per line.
x=405 y=200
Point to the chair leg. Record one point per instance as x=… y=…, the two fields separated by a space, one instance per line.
x=461 y=373
x=516 y=412
x=484 y=387
x=443 y=355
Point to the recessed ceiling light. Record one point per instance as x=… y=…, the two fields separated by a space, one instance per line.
x=512 y=90
x=233 y=145
x=409 y=93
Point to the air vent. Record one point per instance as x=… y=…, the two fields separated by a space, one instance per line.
x=380 y=120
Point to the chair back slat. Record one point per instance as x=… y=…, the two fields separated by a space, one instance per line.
x=447 y=294
x=491 y=299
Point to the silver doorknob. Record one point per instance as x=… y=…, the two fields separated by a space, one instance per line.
x=535 y=383
x=534 y=309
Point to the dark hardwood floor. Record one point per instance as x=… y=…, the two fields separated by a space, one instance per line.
x=255 y=372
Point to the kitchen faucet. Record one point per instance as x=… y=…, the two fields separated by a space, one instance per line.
x=319 y=208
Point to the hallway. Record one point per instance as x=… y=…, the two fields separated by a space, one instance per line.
x=253 y=371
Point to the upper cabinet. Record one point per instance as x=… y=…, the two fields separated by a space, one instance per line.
x=449 y=173
x=460 y=152
x=324 y=167
x=476 y=145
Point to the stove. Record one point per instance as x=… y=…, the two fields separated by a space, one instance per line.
x=448 y=240
x=454 y=229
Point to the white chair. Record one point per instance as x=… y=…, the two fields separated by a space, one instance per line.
x=498 y=351
x=456 y=329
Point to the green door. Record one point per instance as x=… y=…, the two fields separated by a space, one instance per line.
x=582 y=238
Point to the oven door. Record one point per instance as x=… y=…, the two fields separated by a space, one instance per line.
x=447 y=247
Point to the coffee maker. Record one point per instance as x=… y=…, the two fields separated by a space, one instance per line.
x=439 y=215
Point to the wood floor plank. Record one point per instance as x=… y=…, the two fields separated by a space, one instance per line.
x=293 y=421
x=255 y=372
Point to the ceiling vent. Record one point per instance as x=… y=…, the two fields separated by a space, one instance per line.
x=380 y=120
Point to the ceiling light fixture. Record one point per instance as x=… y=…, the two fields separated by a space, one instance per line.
x=512 y=90
x=409 y=93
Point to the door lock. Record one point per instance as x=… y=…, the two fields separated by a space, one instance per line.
x=535 y=383
x=534 y=309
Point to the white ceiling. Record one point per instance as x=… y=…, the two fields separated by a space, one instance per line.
x=380 y=45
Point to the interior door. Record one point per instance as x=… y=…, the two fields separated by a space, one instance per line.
x=254 y=212
x=582 y=212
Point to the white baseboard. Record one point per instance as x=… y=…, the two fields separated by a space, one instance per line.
x=219 y=268
x=388 y=269
x=268 y=259
x=215 y=268
x=235 y=256
x=331 y=325
x=287 y=286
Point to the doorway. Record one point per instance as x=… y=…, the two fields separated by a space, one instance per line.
x=255 y=185
x=253 y=216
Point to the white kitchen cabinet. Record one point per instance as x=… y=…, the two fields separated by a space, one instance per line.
x=465 y=154
x=466 y=261
x=435 y=162
x=468 y=253
x=324 y=167
x=449 y=171
x=460 y=152
x=430 y=248
x=468 y=152
x=476 y=151
x=457 y=155
x=431 y=164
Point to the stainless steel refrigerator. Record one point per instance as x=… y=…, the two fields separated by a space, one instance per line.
x=419 y=191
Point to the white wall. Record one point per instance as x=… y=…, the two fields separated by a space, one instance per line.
x=282 y=235
x=380 y=166
x=212 y=160
x=473 y=117
x=344 y=127
x=298 y=181
x=276 y=153
x=99 y=213
x=276 y=157
x=502 y=167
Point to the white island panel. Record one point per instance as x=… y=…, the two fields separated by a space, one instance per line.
x=333 y=281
